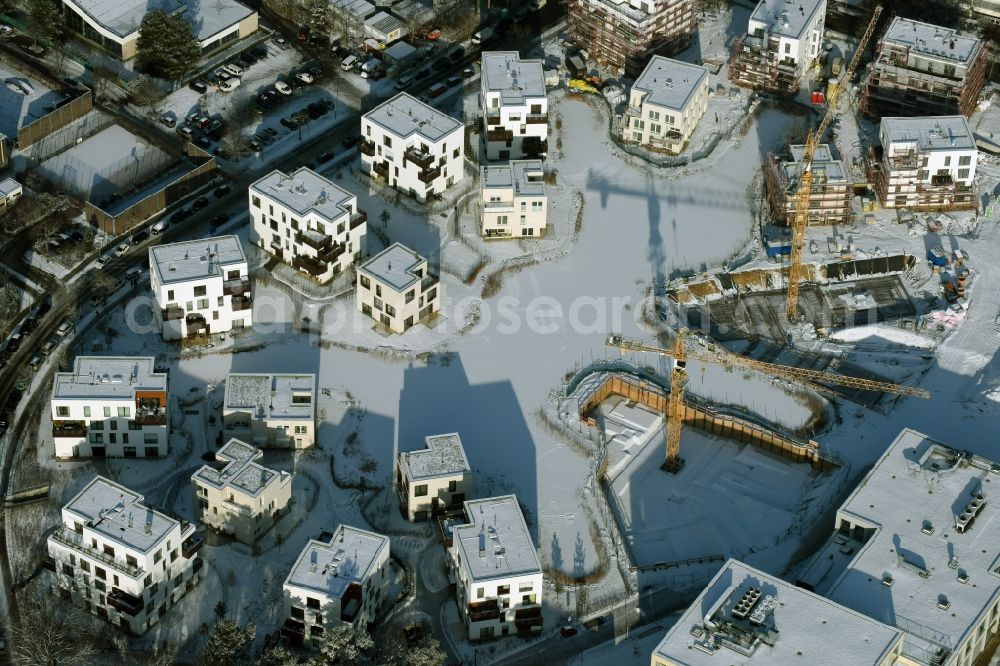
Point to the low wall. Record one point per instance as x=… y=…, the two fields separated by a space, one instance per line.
x=50 y=122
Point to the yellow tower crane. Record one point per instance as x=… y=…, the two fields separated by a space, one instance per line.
x=801 y=219
x=680 y=355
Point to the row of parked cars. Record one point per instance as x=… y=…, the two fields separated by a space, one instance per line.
x=228 y=77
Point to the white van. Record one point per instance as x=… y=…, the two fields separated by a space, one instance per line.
x=369 y=67
x=158 y=228
x=347 y=64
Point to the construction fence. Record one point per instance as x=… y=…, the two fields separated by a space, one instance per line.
x=73 y=110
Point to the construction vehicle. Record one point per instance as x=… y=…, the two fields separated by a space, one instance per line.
x=801 y=219
x=715 y=354
x=582 y=86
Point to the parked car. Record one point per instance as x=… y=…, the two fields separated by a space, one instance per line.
x=199 y=203
x=264 y=138
x=273 y=132
x=45 y=305
x=436 y=90
x=218 y=221
x=327 y=102
x=422 y=73
x=453 y=81
x=222 y=190
x=49 y=345
x=456 y=54
x=121 y=249
x=139 y=237
x=254 y=146
x=168 y=119
x=283 y=88
x=260 y=52
x=65 y=326
x=351 y=141
x=203 y=142
x=186 y=132
x=181 y=214
x=316 y=71
x=403 y=82
x=320 y=41
x=305 y=77
x=35 y=361
x=440 y=65
x=280 y=42
x=325 y=157
x=202 y=121
x=158 y=228
x=434 y=35
x=303 y=33
x=230 y=85
x=199 y=86
x=103 y=261
x=233 y=69
x=290 y=123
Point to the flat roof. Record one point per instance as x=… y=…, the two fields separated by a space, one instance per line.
x=305 y=191
x=210 y=17
x=526 y=177
x=404 y=115
x=119 y=515
x=237 y=469
x=930 y=132
x=383 y=22
x=931 y=40
x=123 y=17
x=784 y=625
x=823 y=160
x=785 y=18
x=195 y=259
x=350 y=556
x=358 y=8
x=399 y=50
x=394 y=266
x=495 y=542
x=443 y=456
x=8 y=186
x=274 y=396
x=515 y=79
x=669 y=83
x=112 y=377
x=916 y=498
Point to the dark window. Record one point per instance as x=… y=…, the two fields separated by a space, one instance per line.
x=152 y=452
x=130 y=452
x=420 y=491
x=312 y=603
x=298 y=613
x=200 y=290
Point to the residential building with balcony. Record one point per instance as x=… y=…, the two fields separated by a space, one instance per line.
x=120 y=559
x=434 y=479
x=925 y=163
x=271 y=410
x=113 y=406
x=665 y=105
x=745 y=616
x=513 y=199
x=237 y=495
x=10 y=192
x=412 y=147
x=621 y=35
x=783 y=40
x=307 y=221
x=494 y=564
x=341 y=579
x=515 y=107
x=914 y=546
x=201 y=287
x=831 y=193
x=396 y=289
x=922 y=69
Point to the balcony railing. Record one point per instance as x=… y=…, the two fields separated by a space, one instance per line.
x=419 y=157
x=313 y=239
x=428 y=176
x=537 y=119
x=242 y=302
x=429 y=281
x=49 y=563
x=236 y=287
x=125 y=602
x=74 y=540
x=69 y=429
x=381 y=169
x=293 y=630
x=171 y=313
x=155 y=417
x=310 y=265
x=492 y=120
x=358 y=219
x=499 y=135
x=484 y=610
x=191 y=546
x=498 y=205
x=367 y=147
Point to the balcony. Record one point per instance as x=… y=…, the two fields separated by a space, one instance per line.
x=499 y=205
x=537 y=119
x=310 y=265
x=199 y=564
x=428 y=176
x=191 y=546
x=367 y=147
x=293 y=630
x=49 y=563
x=313 y=239
x=350 y=603
x=152 y=417
x=69 y=429
x=500 y=135
x=242 y=303
x=196 y=323
x=484 y=610
x=418 y=157
x=74 y=540
x=358 y=219
x=236 y=287
x=171 y=313
x=381 y=169
x=492 y=120
x=332 y=252
x=429 y=281
x=125 y=602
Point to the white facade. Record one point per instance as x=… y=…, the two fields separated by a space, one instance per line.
x=412 y=147
x=112 y=406
x=515 y=106
x=120 y=559
x=665 y=104
x=239 y=496
x=396 y=289
x=201 y=287
x=342 y=579
x=307 y=221
x=513 y=200
x=10 y=192
x=923 y=152
x=797 y=27
x=496 y=570
x=435 y=478
x=271 y=411
x=384 y=28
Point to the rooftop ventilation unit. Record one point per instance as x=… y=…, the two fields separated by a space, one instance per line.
x=746 y=603
x=887 y=580
x=760 y=612
x=965 y=519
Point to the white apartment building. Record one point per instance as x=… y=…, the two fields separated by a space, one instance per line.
x=665 y=104
x=435 y=478
x=412 y=146
x=271 y=410
x=396 y=289
x=120 y=559
x=927 y=163
x=112 y=406
x=745 y=616
x=515 y=107
x=10 y=192
x=496 y=570
x=513 y=199
x=341 y=578
x=915 y=546
x=307 y=221
x=237 y=495
x=201 y=287
x=783 y=40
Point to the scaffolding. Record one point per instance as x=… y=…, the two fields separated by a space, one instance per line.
x=829 y=197
x=757 y=64
x=899 y=184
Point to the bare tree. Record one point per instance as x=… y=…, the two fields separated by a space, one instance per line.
x=242 y=114
x=49 y=630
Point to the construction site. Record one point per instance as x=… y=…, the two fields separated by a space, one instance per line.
x=830 y=200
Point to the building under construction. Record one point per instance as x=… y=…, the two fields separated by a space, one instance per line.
x=783 y=39
x=922 y=69
x=623 y=34
x=830 y=196
x=925 y=164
